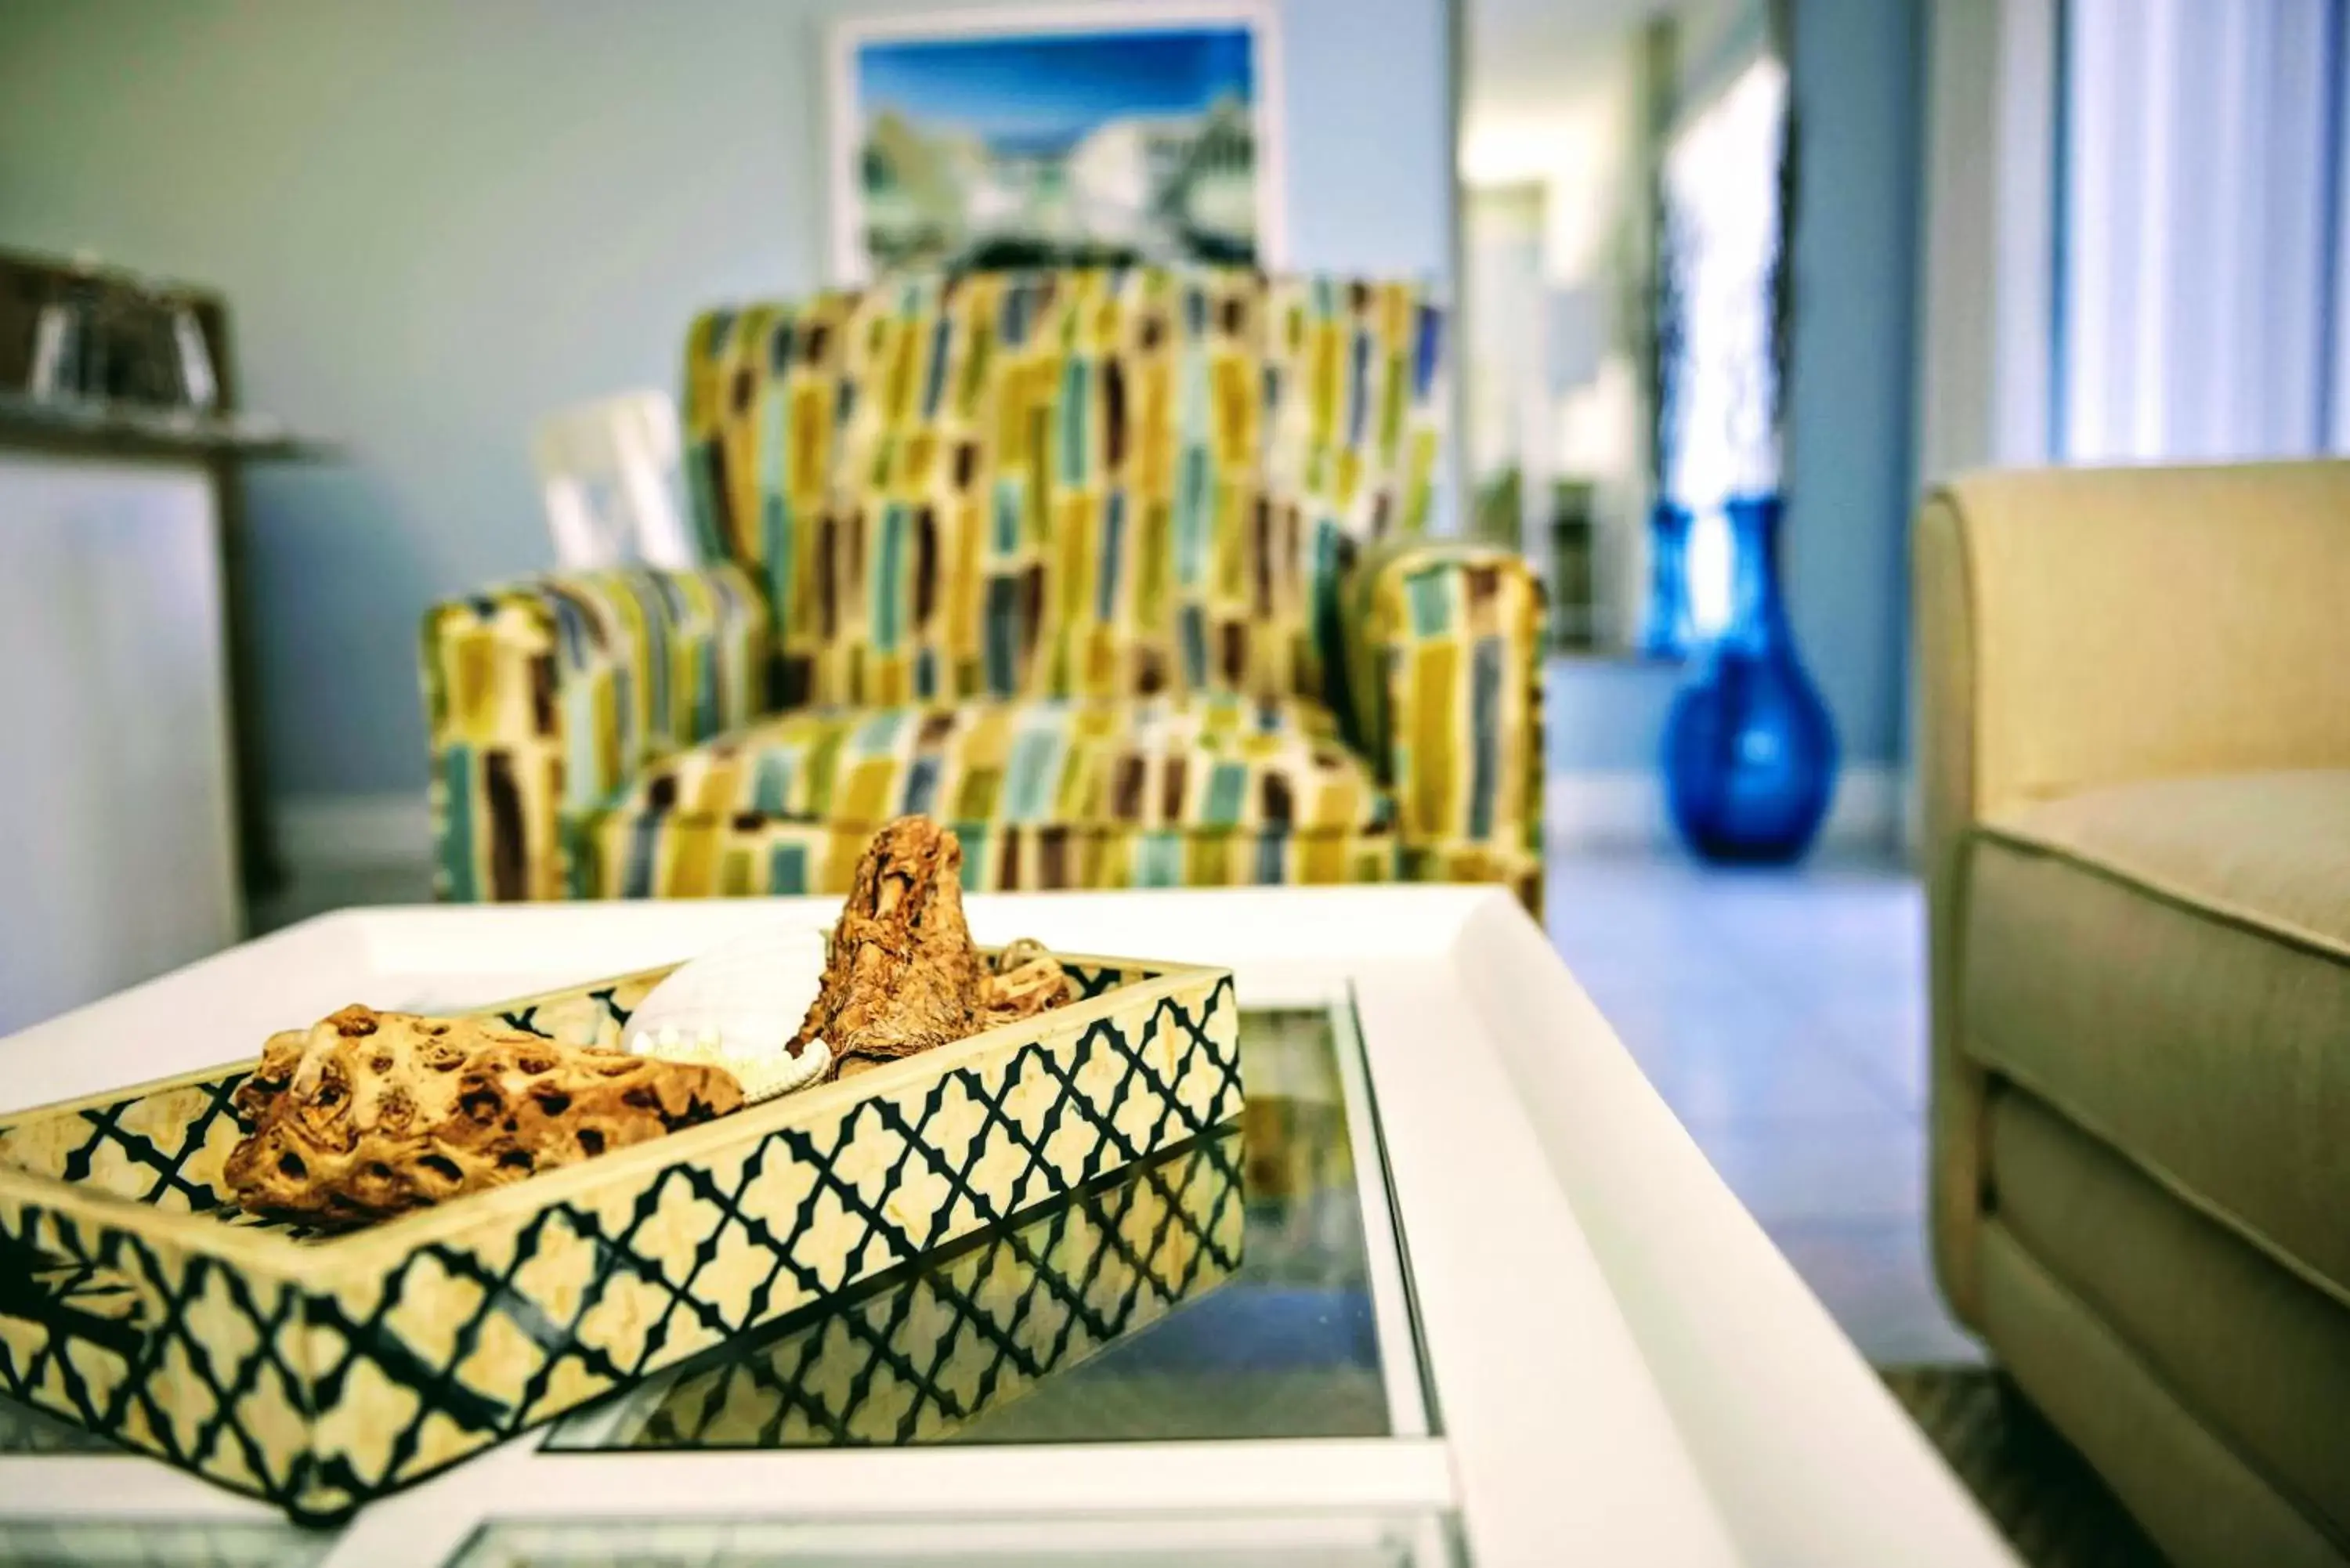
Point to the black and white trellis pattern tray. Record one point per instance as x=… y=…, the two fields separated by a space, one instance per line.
x=954 y=1337
x=321 y=1371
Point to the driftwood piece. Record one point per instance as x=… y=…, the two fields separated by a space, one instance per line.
x=1027 y=980
x=368 y=1114
x=903 y=975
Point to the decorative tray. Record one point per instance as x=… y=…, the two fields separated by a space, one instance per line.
x=933 y=1349
x=321 y=1370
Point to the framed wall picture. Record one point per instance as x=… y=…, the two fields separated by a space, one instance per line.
x=1146 y=130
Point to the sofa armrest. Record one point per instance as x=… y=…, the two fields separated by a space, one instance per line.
x=1444 y=643
x=2091 y=626
x=548 y=696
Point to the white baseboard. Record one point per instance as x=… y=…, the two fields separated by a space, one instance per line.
x=1625 y=809
x=348 y=832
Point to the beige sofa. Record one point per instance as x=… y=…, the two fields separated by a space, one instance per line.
x=2137 y=757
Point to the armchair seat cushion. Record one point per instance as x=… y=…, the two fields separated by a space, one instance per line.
x=1046 y=792
x=2167 y=963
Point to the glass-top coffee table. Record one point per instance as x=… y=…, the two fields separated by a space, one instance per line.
x=1454 y=1289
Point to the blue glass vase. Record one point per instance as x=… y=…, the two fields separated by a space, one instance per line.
x=1664 y=625
x=1749 y=754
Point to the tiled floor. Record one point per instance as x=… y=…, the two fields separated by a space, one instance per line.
x=1781 y=1014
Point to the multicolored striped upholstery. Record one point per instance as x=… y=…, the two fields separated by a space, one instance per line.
x=1025 y=550
x=1044 y=792
x=1445 y=649
x=1061 y=484
x=554 y=693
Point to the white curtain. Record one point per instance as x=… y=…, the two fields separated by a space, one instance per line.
x=1721 y=182
x=2201 y=230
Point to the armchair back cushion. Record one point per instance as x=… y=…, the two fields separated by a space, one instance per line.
x=1107 y=482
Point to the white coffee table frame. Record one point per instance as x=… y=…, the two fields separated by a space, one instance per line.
x=1625 y=1368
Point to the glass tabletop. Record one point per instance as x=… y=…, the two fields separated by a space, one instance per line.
x=1222 y=1291
x=1398 y=1540
x=1263 y=1541
x=25 y=1430
x=159 y=1543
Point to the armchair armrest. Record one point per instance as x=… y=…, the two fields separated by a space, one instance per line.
x=1444 y=642
x=2086 y=628
x=546 y=696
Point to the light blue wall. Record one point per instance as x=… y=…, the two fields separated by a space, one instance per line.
x=437 y=219
x=1859 y=85
x=1858 y=77
x=1605 y=715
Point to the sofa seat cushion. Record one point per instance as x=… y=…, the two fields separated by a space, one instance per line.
x=2168 y=963
x=1164 y=790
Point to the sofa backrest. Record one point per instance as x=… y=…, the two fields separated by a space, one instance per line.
x=1108 y=481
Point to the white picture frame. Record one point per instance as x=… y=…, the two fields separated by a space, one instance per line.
x=848 y=39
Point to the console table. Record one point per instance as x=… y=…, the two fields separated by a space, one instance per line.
x=132 y=828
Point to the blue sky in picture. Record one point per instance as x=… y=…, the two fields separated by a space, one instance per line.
x=1043 y=92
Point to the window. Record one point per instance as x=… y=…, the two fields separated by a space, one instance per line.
x=2201 y=302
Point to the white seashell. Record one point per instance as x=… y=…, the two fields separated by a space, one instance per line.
x=739 y=1005
x=765 y=1077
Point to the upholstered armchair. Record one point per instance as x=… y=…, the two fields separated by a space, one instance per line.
x=1117 y=572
